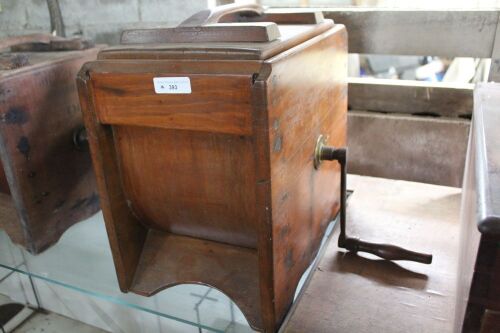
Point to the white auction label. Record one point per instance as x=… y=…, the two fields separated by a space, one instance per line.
x=172 y=85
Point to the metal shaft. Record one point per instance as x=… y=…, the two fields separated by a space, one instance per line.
x=56 y=20
x=385 y=251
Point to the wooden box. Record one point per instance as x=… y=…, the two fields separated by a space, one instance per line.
x=202 y=139
x=46 y=176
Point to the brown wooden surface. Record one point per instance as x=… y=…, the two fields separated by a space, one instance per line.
x=205 y=182
x=50 y=180
x=6 y=43
x=361 y=293
x=222 y=102
x=176 y=259
x=304 y=104
x=411 y=97
x=8 y=214
x=234 y=32
x=218 y=165
x=291 y=35
x=280 y=16
x=490 y=322
x=126 y=234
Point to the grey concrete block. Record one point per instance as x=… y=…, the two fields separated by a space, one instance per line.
x=421 y=149
x=37 y=14
x=14 y=16
x=105 y=12
x=169 y=12
x=101 y=20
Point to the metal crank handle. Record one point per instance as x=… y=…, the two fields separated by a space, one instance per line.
x=386 y=251
x=323 y=152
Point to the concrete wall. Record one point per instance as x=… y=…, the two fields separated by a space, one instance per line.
x=101 y=20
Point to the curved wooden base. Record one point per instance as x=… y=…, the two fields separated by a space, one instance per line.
x=168 y=260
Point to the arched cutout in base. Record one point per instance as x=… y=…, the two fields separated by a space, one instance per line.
x=168 y=260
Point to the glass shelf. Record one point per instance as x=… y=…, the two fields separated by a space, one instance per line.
x=81 y=261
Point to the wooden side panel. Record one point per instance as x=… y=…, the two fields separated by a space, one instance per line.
x=307 y=96
x=263 y=199
x=216 y=104
x=126 y=235
x=191 y=183
x=50 y=180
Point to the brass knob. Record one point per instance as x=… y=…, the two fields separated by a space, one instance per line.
x=320 y=144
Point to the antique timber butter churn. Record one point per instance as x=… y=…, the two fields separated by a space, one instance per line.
x=46 y=183
x=206 y=141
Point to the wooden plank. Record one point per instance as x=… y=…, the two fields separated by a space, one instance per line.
x=420 y=149
x=411 y=97
x=223 y=102
x=234 y=32
x=360 y=293
x=449 y=33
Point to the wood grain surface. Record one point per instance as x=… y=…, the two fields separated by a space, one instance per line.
x=50 y=180
x=218 y=185
x=291 y=35
x=234 y=32
x=302 y=106
x=222 y=102
x=362 y=293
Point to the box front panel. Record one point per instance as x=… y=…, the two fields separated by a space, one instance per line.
x=210 y=103
x=185 y=159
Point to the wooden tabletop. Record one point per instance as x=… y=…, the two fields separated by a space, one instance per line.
x=351 y=293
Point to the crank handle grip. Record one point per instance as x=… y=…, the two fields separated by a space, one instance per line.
x=385 y=251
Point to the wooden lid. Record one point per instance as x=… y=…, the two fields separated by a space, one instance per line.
x=218 y=32
x=228 y=32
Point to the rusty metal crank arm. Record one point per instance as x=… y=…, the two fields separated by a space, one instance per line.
x=385 y=251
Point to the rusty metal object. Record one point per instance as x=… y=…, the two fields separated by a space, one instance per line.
x=389 y=252
x=56 y=19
